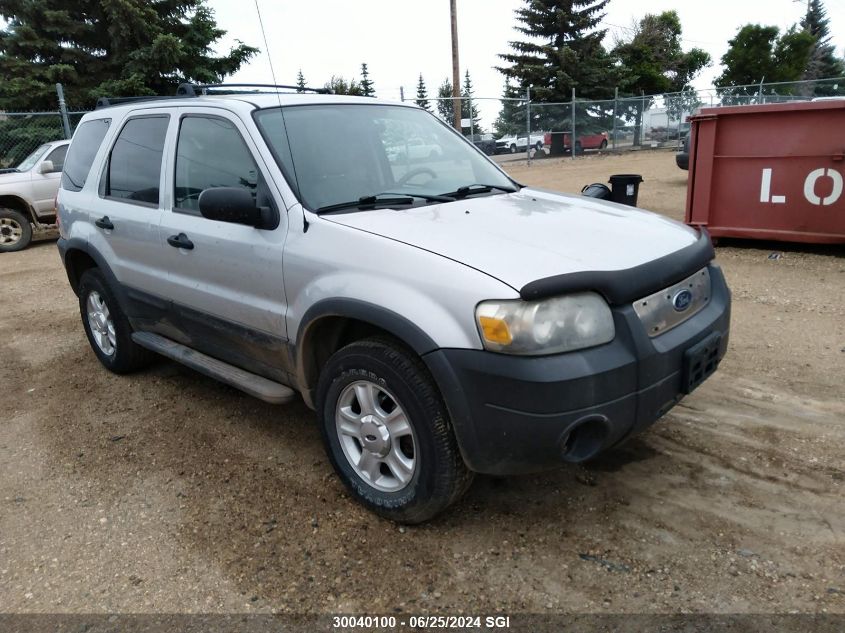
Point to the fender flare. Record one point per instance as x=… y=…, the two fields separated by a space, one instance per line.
x=399 y=326
x=79 y=244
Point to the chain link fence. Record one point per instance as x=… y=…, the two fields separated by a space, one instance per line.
x=525 y=127
x=517 y=126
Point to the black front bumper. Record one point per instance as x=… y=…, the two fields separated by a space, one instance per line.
x=515 y=414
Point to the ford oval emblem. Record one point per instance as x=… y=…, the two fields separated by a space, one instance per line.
x=682 y=300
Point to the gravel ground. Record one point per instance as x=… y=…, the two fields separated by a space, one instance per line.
x=168 y=492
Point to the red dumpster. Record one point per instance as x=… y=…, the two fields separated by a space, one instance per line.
x=769 y=171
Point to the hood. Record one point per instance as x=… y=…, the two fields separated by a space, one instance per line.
x=529 y=235
x=14 y=178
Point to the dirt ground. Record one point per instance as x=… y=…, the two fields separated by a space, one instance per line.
x=165 y=491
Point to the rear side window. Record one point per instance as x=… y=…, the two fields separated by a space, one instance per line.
x=134 y=169
x=210 y=153
x=81 y=154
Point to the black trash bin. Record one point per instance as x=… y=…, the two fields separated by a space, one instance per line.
x=625 y=188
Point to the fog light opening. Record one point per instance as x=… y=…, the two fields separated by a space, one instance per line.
x=584 y=439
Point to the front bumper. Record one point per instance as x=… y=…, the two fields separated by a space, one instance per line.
x=515 y=414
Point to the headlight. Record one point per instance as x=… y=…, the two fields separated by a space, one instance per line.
x=561 y=324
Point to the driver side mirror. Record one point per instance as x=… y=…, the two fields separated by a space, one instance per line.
x=230 y=204
x=46 y=167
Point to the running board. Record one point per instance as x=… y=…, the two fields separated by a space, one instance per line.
x=250 y=383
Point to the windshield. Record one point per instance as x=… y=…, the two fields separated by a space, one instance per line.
x=336 y=153
x=29 y=162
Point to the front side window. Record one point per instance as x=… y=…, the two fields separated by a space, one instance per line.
x=83 y=149
x=134 y=169
x=57 y=157
x=210 y=153
x=343 y=152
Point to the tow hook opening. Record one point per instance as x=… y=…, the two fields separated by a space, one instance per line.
x=584 y=439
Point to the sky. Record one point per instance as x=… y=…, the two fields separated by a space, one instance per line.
x=399 y=39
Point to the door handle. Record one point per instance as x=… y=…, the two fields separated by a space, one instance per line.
x=180 y=241
x=104 y=223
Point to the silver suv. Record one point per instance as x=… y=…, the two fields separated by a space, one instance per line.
x=441 y=318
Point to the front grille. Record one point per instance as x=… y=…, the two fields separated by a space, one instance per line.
x=668 y=308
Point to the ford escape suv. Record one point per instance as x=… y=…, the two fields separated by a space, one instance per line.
x=441 y=318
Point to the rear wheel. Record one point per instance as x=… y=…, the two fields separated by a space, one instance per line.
x=603 y=144
x=387 y=432
x=107 y=328
x=15 y=231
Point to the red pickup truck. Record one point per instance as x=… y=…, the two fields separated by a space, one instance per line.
x=585 y=141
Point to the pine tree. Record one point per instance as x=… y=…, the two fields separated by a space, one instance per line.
x=824 y=63
x=467 y=94
x=511 y=119
x=444 y=101
x=563 y=50
x=422 y=95
x=366 y=83
x=339 y=86
x=300 y=81
x=116 y=48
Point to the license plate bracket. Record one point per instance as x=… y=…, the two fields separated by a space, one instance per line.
x=700 y=361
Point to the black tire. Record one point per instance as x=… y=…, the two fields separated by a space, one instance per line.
x=603 y=144
x=127 y=355
x=440 y=476
x=513 y=148
x=579 y=149
x=15 y=231
x=539 y=145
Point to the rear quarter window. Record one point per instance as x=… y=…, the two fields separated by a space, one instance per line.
x=83 y=149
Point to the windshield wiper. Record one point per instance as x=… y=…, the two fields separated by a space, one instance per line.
x=463 y=192
x=379 y=199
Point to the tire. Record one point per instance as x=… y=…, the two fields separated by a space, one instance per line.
x=513 y=148
x=108 y=331
x=579 y=149
x=603 y=144
x=539 y=145
x=15 y=231
x=433 y=474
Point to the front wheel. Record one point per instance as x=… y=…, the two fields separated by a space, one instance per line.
x=603 y=144
x=15 y=231
x=513 y=148
x=387 y=432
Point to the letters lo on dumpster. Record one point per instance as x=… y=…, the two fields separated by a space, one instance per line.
x=772 y=172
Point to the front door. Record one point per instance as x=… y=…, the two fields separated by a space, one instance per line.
x=225 y=280
x=45 y=185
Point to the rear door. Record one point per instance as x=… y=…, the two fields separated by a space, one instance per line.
x=126 y=213
x=227 y=288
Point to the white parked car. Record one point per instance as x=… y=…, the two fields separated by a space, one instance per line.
x=514 y=144
x=415 y=149
x=27 y=197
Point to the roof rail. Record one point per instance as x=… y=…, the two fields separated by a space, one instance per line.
x=195 y=90
x=105 y=102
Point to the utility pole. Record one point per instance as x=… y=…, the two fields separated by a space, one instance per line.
x=402 y=93
x=456 y=69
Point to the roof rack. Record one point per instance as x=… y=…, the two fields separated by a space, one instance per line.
x=195 y=90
